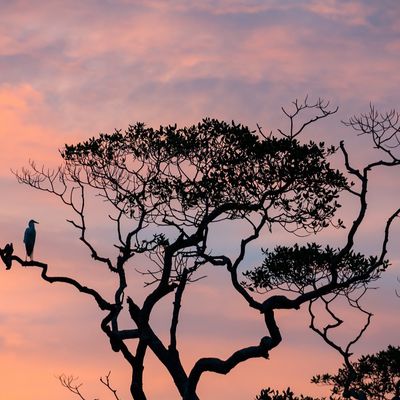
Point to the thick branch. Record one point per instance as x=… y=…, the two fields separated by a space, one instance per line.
x=170 y=359
x=213 y=364
x=176 y=309
x=137 y=371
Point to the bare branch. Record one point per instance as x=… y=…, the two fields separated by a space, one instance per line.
x=320 y=106
x=106 y=382
x=383 y=128
x=56 y=182
x=69 y=383
x=324 y=333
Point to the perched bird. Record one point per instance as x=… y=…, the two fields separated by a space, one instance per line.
x=29 y=238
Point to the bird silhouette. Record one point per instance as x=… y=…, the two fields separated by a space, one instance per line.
x=29 y=239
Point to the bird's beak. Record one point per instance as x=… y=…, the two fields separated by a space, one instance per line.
x=35 y=222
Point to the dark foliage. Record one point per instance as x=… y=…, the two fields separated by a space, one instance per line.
x=300 y=267
x=270 y=394
x=376 y=375
x=185 y=173
x=372 y=377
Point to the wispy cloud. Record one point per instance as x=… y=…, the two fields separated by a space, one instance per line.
x=349 y=12
x=70 y=69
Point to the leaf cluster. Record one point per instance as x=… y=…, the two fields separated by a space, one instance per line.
x=298 y=267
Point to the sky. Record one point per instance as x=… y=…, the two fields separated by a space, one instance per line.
x=72 y=69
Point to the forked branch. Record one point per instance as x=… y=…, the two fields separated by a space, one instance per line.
x=384 y=129
x=343 y=351
x=321 y=107
x=107 y=383
x=69 y=382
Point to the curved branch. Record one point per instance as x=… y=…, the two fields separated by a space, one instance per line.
x=213 y=364
x=233 y=268
x=363 y=203
x=388 y=225
x=344 y=352
x=102 y=303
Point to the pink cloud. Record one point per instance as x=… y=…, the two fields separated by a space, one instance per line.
x=91 y=69
x=350 y=12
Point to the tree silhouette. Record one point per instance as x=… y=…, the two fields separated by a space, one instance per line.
x=170 y=187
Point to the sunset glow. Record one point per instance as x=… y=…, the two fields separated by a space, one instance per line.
x=72 y=69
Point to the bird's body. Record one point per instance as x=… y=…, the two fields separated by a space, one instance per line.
x=29 y=238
